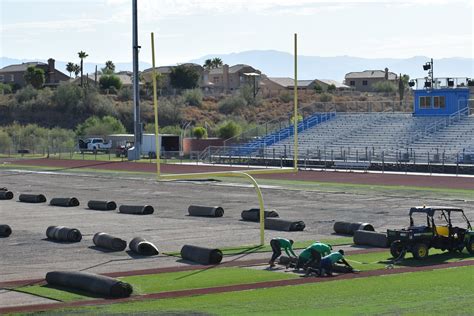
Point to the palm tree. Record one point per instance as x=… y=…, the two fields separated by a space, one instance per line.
x=216 y=62
x=82 y=55
x=208 y=64
x=77 y=69
x=109 y=66
x=70 y=68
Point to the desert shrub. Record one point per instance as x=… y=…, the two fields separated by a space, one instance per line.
x=193 y=97
x=67 y=97
x=26 y=94
x=100 y=126
x=170 y=112
x=384 y=86
x=125 y=94
x=200 y=132
x=285 y=97
x=228 y=129
x=325 y=97
x=231 y=104
x=171 y=129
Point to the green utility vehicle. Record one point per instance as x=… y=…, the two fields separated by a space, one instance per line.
x=439 y=232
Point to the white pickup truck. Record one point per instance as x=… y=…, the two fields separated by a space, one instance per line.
x=94 y=145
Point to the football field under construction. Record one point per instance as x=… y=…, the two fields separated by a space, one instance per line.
x=28 y=254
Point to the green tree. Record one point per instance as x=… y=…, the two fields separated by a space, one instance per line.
x=5 y=142
x=216 y=62
x=331 y=88
x=70 y=68
x=184 y=77
x=109 y=81
x=5 y=88
x=318 y=88
x=34 y=76
x=228 y=129
x=82 y=55
x=100 y=126
x=208 y=64
x=200 y=132
x=109 y=68
x=77 y=69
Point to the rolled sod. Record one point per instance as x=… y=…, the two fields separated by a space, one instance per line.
x=253 y=215
x=136 y=209
x=64 y=202
x=32 y=198
x=6 y=195
x=5 y=230
x=370 y=238
x=201 y=255
x=348 y=228
x=93 y=283
x=208 y=211
x=143 y=247
x=110 y=242
x=102 y=205
x=284 y=225
x=61 y=233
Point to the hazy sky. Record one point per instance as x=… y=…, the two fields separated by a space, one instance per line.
x=187 y=29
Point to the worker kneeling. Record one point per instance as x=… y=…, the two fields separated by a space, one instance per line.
x=277 y=245
x=328 y=262
x=311 y=256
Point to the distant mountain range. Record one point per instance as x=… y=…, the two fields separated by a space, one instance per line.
x=280 y=64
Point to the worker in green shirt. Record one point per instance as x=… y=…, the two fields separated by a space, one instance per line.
x=327 y=262
x=312 y=255
x=277 y=245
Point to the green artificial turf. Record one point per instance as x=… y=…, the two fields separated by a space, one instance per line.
x=439 y=292
x=229 y=251
x=173 y=281
x=216 y=276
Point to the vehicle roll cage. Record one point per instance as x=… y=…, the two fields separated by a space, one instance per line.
x=430 y=212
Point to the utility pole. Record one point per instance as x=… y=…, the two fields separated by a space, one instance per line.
x=135 y=152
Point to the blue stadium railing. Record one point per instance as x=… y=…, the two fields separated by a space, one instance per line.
x=270 y=139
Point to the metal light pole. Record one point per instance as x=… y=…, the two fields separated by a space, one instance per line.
x=134 y=153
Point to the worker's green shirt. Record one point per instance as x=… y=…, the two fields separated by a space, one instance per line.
x=323 y=249
x=285 y=244
x=334 y=257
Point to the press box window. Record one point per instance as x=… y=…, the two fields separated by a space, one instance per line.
x=425 y=102
x=439 y=102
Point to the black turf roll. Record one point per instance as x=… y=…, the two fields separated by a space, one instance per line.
x=201 y=255
x=32 y=198
x=110 y=242
x=65 y=202
x=102 y=205
x=93 y=283
x=208 y=211
x=136 y=209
